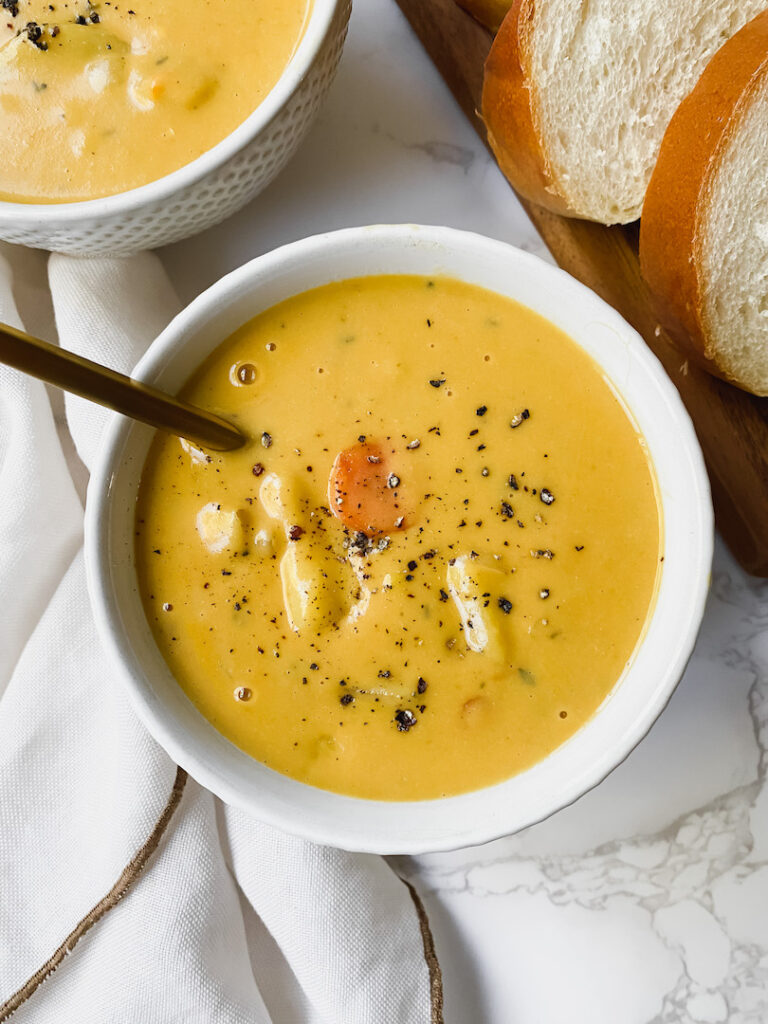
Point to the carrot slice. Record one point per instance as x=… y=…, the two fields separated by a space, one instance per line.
x=361 y=491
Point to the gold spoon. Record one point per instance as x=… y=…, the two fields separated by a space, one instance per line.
x=130 y=397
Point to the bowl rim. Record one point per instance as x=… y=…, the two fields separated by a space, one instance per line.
x=687 y=602
x=121 y=204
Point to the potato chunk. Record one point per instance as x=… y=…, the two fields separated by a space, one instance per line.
x=281 y=500
x=479 y=593
x=318 y=590
x=220 y=529
x=321 y=585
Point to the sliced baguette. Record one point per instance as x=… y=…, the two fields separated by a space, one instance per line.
x=704 y=232
x=577 y=94
x=488 y=12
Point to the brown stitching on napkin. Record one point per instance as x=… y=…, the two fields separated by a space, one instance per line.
x=112 y=898
x=435 y=974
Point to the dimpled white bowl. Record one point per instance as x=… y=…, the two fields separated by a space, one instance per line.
x=210 y=188
x=637 y=699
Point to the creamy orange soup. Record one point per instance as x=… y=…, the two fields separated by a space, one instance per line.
x=100 y=97
x=436 y=557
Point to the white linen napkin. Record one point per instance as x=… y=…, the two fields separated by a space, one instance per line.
x=229 y=920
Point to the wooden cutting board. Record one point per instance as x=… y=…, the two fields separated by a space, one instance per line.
x=732 y=426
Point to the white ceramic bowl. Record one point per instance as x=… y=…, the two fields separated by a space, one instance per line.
x=627 y=713
x=209 y=188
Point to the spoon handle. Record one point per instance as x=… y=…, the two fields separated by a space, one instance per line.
x=115 y=391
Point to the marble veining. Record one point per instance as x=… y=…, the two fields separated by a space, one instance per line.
x=445 y=153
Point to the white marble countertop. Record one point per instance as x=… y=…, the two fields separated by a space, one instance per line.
x=647 y=900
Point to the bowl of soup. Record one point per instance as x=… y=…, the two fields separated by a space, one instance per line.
x=456 y=571
x=128 y=126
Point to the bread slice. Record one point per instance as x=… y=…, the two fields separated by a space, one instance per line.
x=488 y=12
x=704 y=232
x=578 y=93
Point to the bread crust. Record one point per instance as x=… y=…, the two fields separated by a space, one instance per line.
x=508 y=114
x=671 y=237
